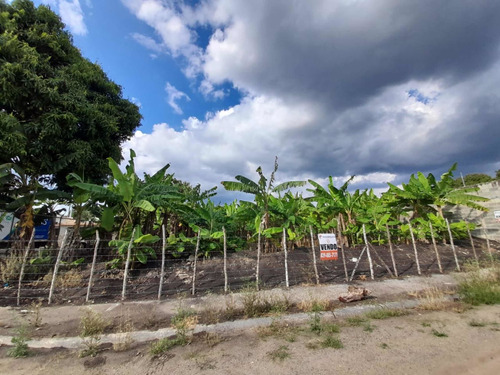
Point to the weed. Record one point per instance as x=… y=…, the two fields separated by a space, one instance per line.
x=92 y=323
x=210 y=315
x=384 y=346
x=426 y=324
x=163 y=345
x=251 y=302
x=476 y=323
x=70 y=279
x=313 y=345
x=231 y=311
x=315 y=323
x=438 y=333
x=356 y=321
x=36 y=320
x=280 y=330
x=212 y=339
x=91 y=347
x=330 y=328
x=367 y=327
x=125 y=341
x=332 y=342
x=385 y=313
x=314 y=305
x=431 y=299
x=20 y=348
x=254 y=304
x=92 y=326
x=10 y=267
x=280 y=354
x=481 y=287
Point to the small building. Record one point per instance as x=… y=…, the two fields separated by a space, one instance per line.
x=491 y=219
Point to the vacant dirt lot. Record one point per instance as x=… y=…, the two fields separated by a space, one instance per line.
x=444 y=342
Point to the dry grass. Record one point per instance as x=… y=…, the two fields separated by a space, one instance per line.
x=212 y=339
x=125 y=341
x=481 y=286
x=276 y=329
x=92 y=323
x=432 y=299
x=36 y=318
x=314 y=304
x=10 y=267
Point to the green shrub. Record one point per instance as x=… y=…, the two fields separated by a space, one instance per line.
x=479 y=288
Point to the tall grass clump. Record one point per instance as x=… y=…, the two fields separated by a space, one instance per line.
x=481 y=287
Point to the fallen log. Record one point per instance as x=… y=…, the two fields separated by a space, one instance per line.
x=354 y=294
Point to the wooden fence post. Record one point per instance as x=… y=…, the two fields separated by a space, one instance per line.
x=94 y=258
x=193 y=291
x=257 y=269
x=357 y=263
x=286 y=259
x=414 y=248
x=381 y=260
x=127 y=263
x=435 y=248
x=25 y=259
x=472 y=242
x=485 y=231
x=225 y=259
x=453 y=245
x=368 y=253
x=56 y=267
x=162 y=273
x=314 y=255
x=391 y=250
x=340 y=241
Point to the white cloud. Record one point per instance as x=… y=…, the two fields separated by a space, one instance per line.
x=325 y=87
x=136 y=101
x=147 y=42
x=173 y=95
x=71 y=14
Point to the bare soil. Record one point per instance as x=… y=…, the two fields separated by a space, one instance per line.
x=401 y=345
x=143 y=283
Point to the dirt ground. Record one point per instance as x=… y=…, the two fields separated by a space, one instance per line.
x=400 y=345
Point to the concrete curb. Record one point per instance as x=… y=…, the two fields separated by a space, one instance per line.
x=238 y=325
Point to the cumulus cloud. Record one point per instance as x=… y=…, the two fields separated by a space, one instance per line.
x=173 y=95
x=147 y=42
x=342 y=87
x=71 y=14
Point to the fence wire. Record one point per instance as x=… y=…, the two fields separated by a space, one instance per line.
x=71 y=283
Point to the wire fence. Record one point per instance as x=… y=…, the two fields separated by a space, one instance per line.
x=95 y=272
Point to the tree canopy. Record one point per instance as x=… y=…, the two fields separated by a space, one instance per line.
x=59 y=112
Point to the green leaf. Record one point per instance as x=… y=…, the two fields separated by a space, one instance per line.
x=144 y=205
x=216 y=235
x=108 y=218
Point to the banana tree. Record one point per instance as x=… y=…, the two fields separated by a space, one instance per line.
x=337 y=201
x=127 y=195
x=423 y=195
x=262 y=190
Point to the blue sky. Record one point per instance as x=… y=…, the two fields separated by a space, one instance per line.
x=143 y=74
x=332 y=87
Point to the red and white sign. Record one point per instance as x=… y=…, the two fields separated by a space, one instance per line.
x=328 y=246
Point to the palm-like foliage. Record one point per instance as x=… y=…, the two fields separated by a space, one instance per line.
x=423 y=195
x=127 y=195
x=338 y=201
x=262 y=189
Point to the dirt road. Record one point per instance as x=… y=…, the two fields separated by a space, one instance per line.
x=444 y=342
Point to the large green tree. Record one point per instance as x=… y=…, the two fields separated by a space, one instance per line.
x=59 y=113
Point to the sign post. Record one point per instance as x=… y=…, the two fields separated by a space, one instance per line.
x=328 y=246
